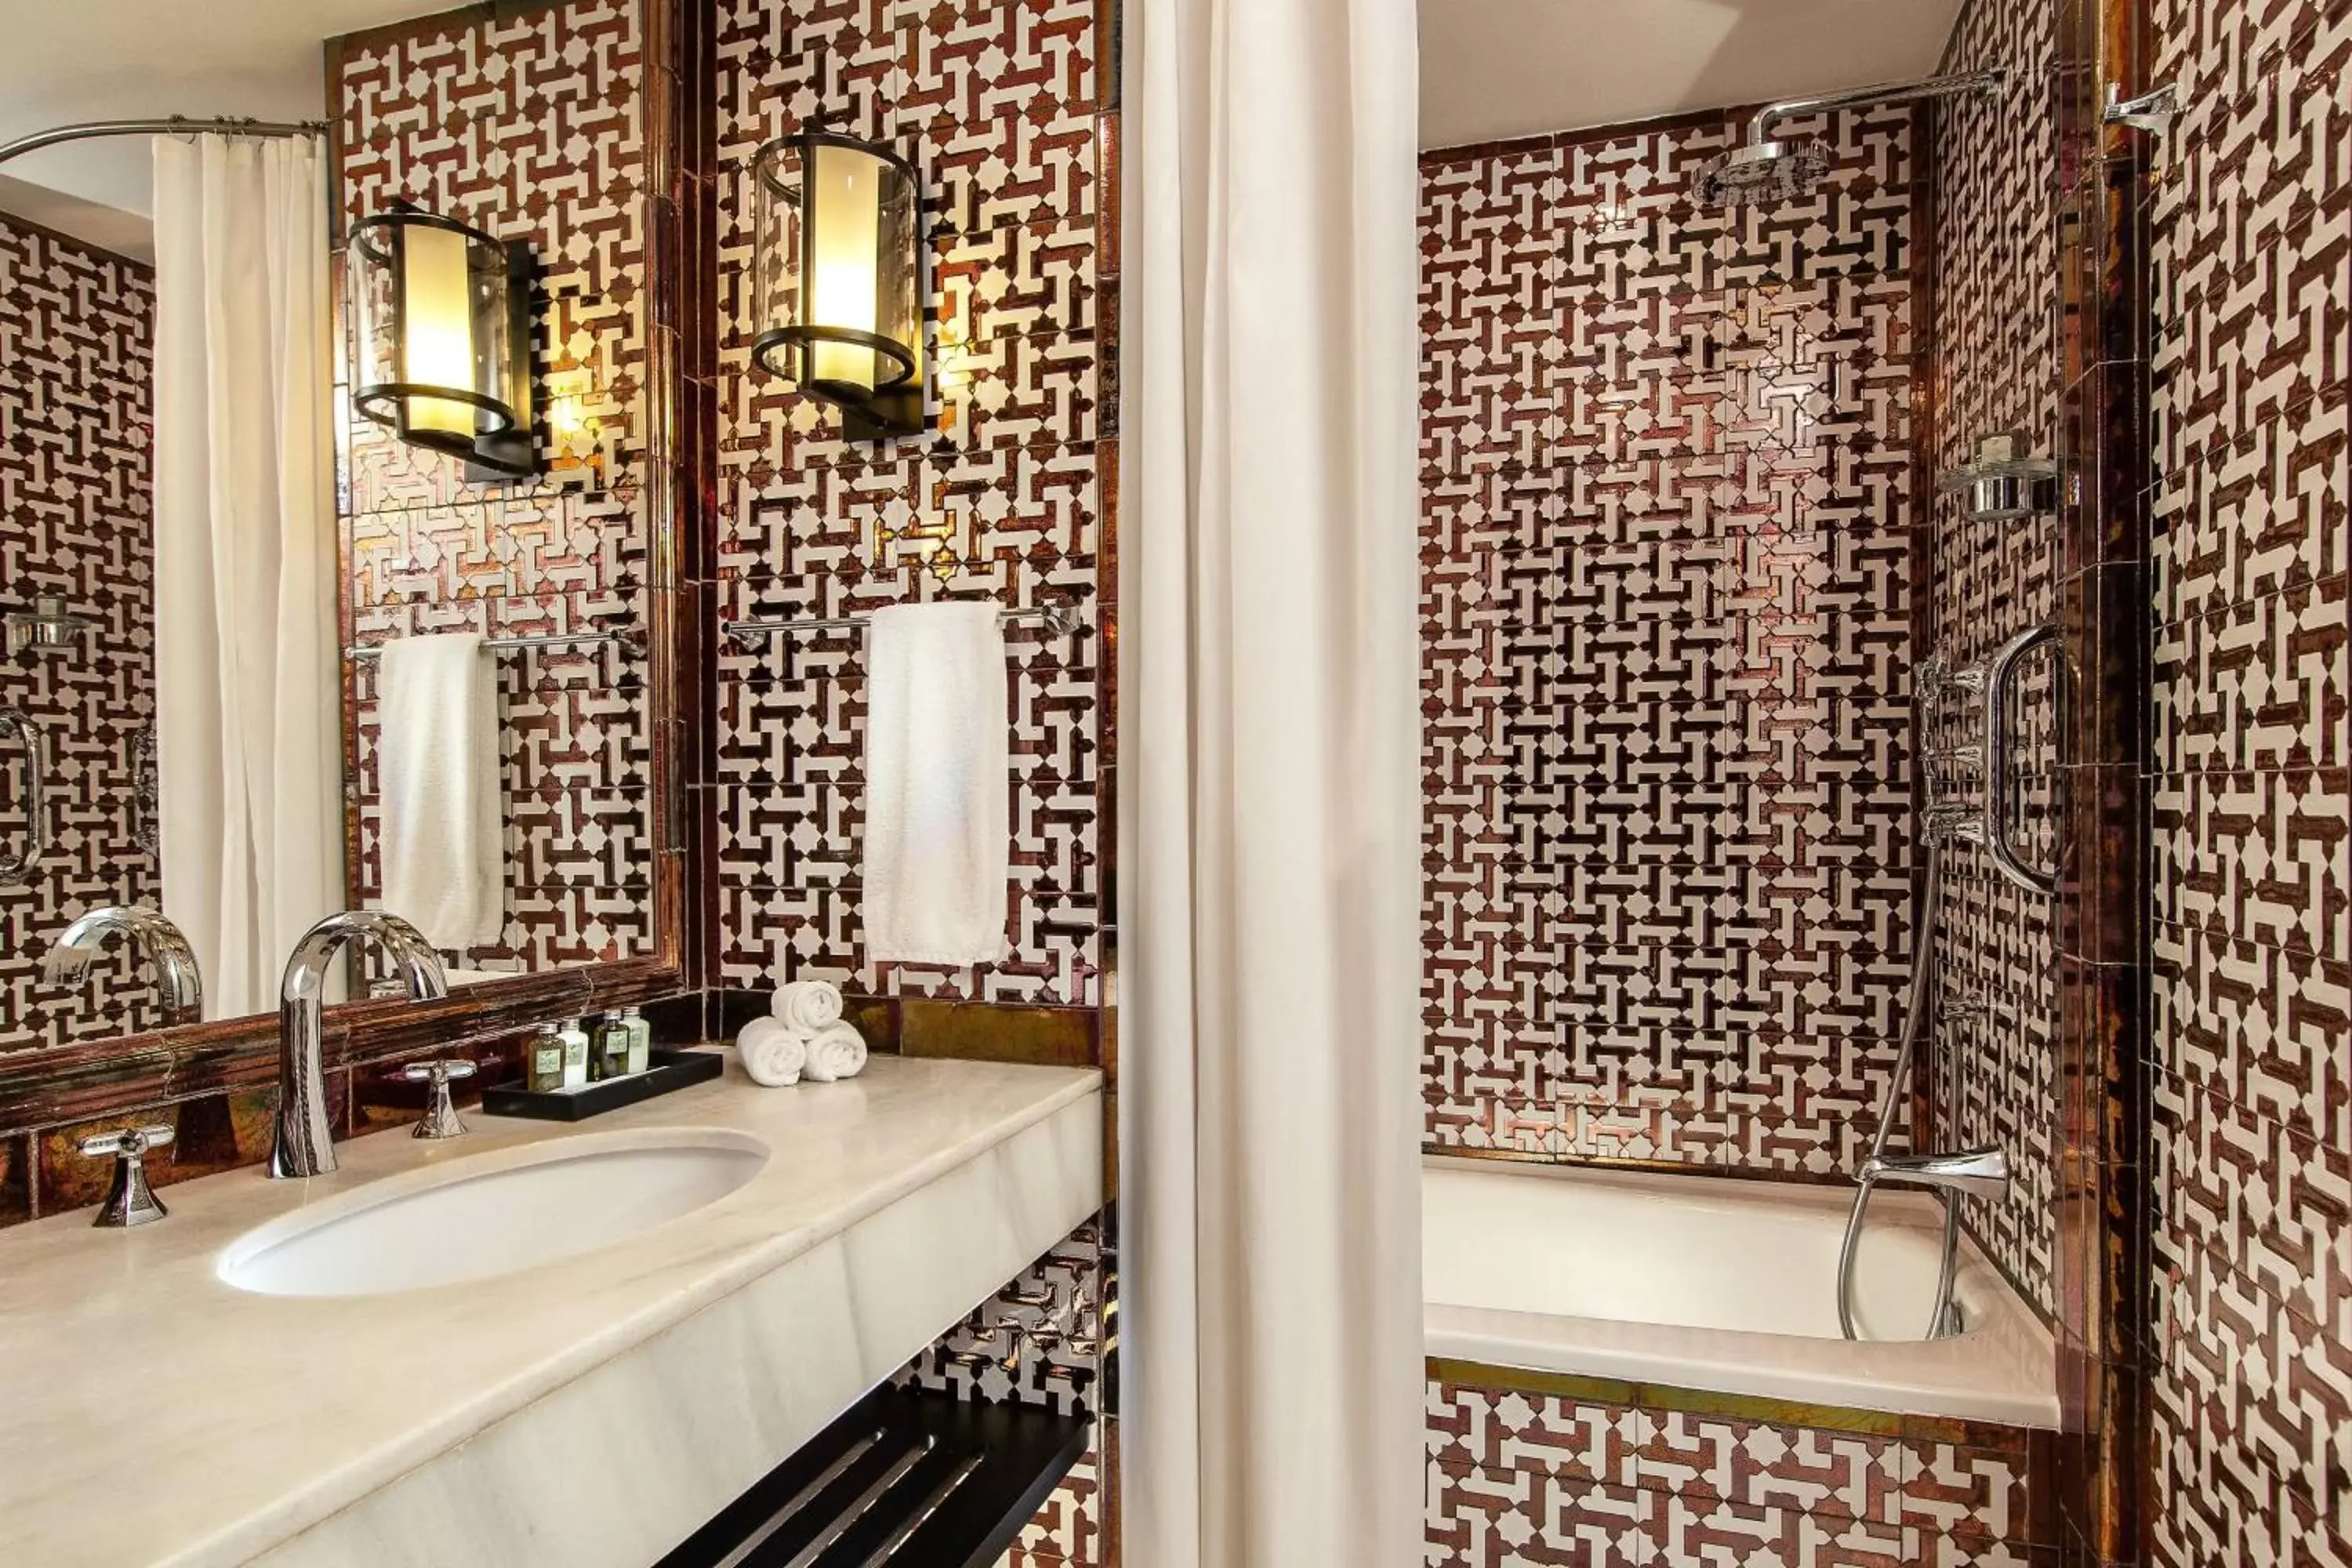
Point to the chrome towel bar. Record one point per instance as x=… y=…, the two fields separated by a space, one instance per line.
x=629 y=639
x=1058 y=620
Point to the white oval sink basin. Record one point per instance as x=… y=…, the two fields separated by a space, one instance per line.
x=493 y=1214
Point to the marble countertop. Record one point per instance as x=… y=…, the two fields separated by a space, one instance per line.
x=151 y=1414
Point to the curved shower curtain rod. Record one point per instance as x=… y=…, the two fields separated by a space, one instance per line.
x=175 y=125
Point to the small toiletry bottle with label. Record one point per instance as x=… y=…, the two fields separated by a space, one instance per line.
x=612 y=1047
x=544 y=1063
x=575 y=1054
x=641 y=1039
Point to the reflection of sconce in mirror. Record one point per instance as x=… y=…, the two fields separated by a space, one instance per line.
x=440 y=318
x=838 y=295
x=47 y=628
x=2000 y=482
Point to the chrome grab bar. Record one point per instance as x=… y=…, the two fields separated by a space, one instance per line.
x=14 y=869
x=2000 y=672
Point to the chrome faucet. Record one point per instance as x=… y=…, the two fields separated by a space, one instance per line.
x=177 y=978
x=303 y=1144
x=1976 y=1173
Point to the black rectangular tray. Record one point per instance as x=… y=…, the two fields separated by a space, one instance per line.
x=668 y=1070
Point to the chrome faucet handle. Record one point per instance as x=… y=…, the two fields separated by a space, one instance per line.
x=129 y=1199
x=440 y=1119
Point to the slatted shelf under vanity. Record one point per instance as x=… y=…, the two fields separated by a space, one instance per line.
x=907 y=1477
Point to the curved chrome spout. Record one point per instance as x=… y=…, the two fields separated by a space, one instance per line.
x=304 y=1144
x=177 y=978
x=1979 y=1173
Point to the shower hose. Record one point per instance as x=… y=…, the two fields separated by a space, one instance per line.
x=1914 y=1015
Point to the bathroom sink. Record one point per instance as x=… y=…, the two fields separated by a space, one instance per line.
x=492 y=1214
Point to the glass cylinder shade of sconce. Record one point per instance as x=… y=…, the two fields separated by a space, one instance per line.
x=837 y=276
x=433 y=321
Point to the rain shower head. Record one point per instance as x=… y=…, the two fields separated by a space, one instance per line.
x=1762 y=171
x=1768 y=168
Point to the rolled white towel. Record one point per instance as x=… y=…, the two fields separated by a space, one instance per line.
x=836 y=1051
x=773 y=1052
x=807 y=1005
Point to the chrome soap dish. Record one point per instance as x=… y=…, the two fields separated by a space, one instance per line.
x=48 y=626
x=2002 y=482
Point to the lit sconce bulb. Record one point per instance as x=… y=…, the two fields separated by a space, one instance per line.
x=847 y=191
x=437 y=321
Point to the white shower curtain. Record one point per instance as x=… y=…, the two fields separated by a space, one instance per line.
x=249 y=737
x=1269 y=872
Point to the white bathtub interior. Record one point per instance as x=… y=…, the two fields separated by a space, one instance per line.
x=1707 y=1283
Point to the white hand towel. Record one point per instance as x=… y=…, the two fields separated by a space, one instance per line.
x=773 y=1052
x=807 y=1005
x=836 y=1052
x=937 y=846
x=443 y=852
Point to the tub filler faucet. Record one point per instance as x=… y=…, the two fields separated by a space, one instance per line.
x=303 y=1145
x=1972 y=1173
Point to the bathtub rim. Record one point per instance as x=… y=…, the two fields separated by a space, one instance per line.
x=2002 y=1370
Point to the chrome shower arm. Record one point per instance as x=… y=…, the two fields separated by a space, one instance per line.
x=1759 y=130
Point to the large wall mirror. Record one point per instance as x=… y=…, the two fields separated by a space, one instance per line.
x=272 y=652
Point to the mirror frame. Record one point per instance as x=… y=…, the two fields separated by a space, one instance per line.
x=43 y=1087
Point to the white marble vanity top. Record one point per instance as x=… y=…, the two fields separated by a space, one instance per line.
x=152 y=1414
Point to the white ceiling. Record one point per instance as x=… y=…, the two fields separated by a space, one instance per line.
x=1489 y=69
x=66 y=60
x=1493 y=70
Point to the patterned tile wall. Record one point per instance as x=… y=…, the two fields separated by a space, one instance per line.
x=77 y=327
x=1522 y=1478
x=1667 y=497
x=1996 y=366
x=528 y=124
x=1039 y=1341
x=1004 y=496
x=1001 y=498
x=2250 y=237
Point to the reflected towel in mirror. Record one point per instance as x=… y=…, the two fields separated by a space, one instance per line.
x=938 y=772
x=443 y=852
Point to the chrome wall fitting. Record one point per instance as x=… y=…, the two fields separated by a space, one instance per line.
x=1951 y=822
x=2153 y=110
x=2001 y=677
x=47 y=628
x=440 y=1119
x=17 y=869
x=129 y=1199
x=2003 y=480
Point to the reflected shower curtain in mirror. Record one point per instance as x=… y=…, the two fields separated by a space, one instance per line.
x=1271 y=1393
x=248 y=731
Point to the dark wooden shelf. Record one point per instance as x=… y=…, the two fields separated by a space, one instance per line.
x=905 y=1477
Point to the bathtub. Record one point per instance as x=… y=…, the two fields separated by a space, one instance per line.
x=1702 y=1282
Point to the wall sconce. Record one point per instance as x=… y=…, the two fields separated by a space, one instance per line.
x=440 y=320
x=838 y=297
